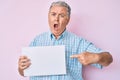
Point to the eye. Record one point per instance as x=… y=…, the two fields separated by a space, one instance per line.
x=53 y=14
x=62 y=15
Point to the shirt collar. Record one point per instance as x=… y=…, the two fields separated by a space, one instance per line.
x=60 y=37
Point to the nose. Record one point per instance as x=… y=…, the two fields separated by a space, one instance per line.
x=57 y=17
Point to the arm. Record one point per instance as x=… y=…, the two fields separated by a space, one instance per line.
x=87 y=58
x=105 y=58
x=20 y=72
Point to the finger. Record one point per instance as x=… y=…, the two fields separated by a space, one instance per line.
x=24 y=65
x=74 y=56
x=24 y=60
x=22 y=57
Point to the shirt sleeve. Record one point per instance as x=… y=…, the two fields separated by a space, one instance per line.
x=90 y=47
x=34 y=42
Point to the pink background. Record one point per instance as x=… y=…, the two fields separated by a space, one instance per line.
x=96 y=20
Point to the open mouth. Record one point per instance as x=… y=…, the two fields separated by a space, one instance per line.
x=55 y=26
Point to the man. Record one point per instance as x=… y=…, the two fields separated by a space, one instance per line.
x=78 y=50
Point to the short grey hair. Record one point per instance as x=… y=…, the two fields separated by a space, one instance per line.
x=63 y=4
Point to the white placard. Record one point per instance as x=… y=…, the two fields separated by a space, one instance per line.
x=45 y=60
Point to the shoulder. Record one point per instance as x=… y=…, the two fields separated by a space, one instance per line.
x=39 y=38
x=77 y=38
x=42 y=35
x=71 y=35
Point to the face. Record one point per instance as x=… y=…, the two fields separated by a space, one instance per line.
x=58 y=19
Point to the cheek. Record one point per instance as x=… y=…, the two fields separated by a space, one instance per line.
x=64 y=22
x=50 y=18
x=50 y=21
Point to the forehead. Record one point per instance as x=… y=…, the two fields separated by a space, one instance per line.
x=58 y=9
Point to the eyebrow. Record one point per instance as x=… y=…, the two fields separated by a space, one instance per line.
x=52 y=12
x=59 y=13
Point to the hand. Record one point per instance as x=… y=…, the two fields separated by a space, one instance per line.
x=23 y=62
x=86 y=58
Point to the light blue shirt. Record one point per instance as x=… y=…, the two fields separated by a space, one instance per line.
x=73 y=45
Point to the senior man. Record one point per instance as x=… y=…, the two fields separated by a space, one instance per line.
x=79 y=51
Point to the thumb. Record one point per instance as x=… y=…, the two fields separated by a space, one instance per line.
x=74 y=56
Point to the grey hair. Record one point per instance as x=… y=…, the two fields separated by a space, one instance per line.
x=63 y=4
